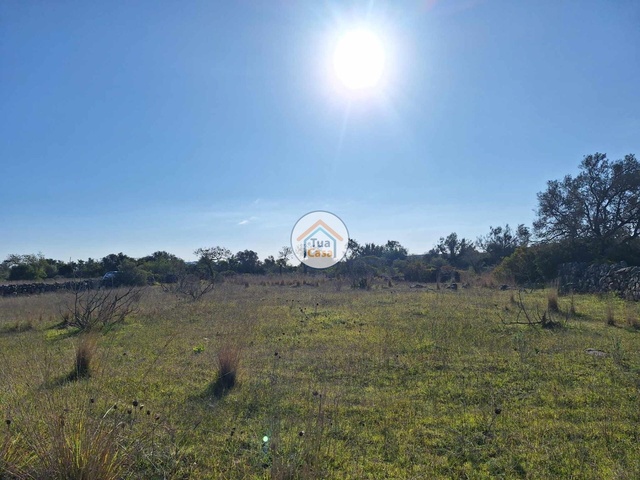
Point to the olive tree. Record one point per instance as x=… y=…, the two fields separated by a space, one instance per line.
x=600 y=204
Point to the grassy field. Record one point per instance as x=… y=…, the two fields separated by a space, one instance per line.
x=393 y=382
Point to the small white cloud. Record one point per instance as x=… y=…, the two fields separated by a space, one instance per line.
x=243 y=222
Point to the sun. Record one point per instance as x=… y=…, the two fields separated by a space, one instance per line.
x=359 y=60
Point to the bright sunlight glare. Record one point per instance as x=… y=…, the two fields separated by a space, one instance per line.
x=359 y=60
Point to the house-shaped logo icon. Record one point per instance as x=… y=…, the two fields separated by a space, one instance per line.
x=320 y=240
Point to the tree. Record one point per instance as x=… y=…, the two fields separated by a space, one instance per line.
x=248 y=262
x=269 y=264
x=210 y=258
x=283 y=257
x=453 y=249
x=354 y=249
x=67 y=269
x=520 y=267
x=391 y=251
x=502 y=242
x=371 y=250
x=27 y=267
x=90 y=269
x=394 y=251
x=112 y=261
x=601 y=204
x=165 y=266
x=4 y=270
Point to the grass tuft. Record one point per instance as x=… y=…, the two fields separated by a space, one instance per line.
x=572 y=308
x=85 y=351
x=611 y=319
x=552 y=302
x=227 y=375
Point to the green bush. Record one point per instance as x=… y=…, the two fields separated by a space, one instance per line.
x=132 y=275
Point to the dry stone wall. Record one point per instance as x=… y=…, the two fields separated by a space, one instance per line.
x=37 y=288
x=600 y=278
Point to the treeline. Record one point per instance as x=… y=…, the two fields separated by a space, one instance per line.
x=362 y=262
x=158 y=267
x=592 y=217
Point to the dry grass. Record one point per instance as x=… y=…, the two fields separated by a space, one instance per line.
x=76 y=446
x=17 y=326
x=572 y=308
x=632 y=320
x=27 y=310
x=73 y=439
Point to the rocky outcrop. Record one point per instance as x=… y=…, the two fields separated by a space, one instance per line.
x=600 y=278
x=37 y=288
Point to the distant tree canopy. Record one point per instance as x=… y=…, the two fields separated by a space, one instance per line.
x=502 y=242
x=283 y=258
x=29 y=267
x=213 y=260
x=458 y=252
x=390 y=251
x=164 y=266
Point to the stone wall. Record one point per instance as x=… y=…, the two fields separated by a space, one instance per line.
x=36 y=288
x=600 y=278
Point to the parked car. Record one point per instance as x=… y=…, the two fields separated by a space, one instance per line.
x=109 y=278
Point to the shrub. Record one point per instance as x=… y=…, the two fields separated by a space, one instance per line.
x=190 y=285
x=132 y=275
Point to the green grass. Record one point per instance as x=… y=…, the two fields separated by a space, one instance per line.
x=386 y=383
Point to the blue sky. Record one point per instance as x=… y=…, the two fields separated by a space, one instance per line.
x=142 y=126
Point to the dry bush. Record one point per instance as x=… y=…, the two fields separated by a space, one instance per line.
x=529 y=315
x=489 y=280
x=100 y=308
x=190 y=286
